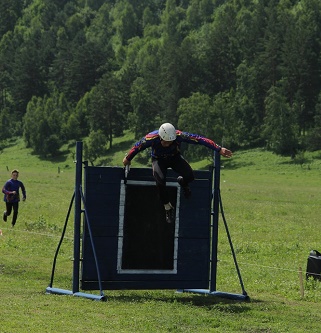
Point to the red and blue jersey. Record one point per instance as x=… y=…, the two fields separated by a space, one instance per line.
x=153 y=141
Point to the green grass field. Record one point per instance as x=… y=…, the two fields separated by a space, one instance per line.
x=272 y=208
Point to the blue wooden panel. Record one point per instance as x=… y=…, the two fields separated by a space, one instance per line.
x=146 y=174
x=96 y=175
x=147 y=285
x=103 y=191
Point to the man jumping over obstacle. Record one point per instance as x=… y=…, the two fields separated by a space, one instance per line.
x=165 y=153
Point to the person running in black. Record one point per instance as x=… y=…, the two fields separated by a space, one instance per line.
x=12 y=196
x=165 y=152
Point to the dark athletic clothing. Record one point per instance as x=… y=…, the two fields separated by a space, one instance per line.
x=169 y=157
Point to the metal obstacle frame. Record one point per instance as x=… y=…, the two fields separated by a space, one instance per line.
x=217 y=205
x=78 y=200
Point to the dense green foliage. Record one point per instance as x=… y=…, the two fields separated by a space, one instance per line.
x=244 y=72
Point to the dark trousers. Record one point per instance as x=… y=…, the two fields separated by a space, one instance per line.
x=179 y=165
x=15 y=207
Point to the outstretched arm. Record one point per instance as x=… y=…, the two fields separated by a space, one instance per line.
x=144 y=143
x=125 y=161
x=201 y=140
x=226 y=152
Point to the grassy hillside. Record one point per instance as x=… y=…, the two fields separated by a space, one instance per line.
x=272 y=208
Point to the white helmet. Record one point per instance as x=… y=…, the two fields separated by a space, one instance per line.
x=167 y=132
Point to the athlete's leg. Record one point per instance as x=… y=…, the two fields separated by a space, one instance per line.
x=159 y=173
x=186 y=174
x=15 y=207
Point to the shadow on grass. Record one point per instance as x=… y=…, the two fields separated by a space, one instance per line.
x=197 y=300
x=4 y=144
x=232 y=164
x=61 y=157
x=104 y=162
x=121 y=146
x=70 y=152
x=304 y=164
x=228 y=164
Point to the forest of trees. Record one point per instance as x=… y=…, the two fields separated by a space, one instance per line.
x=246 y=73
